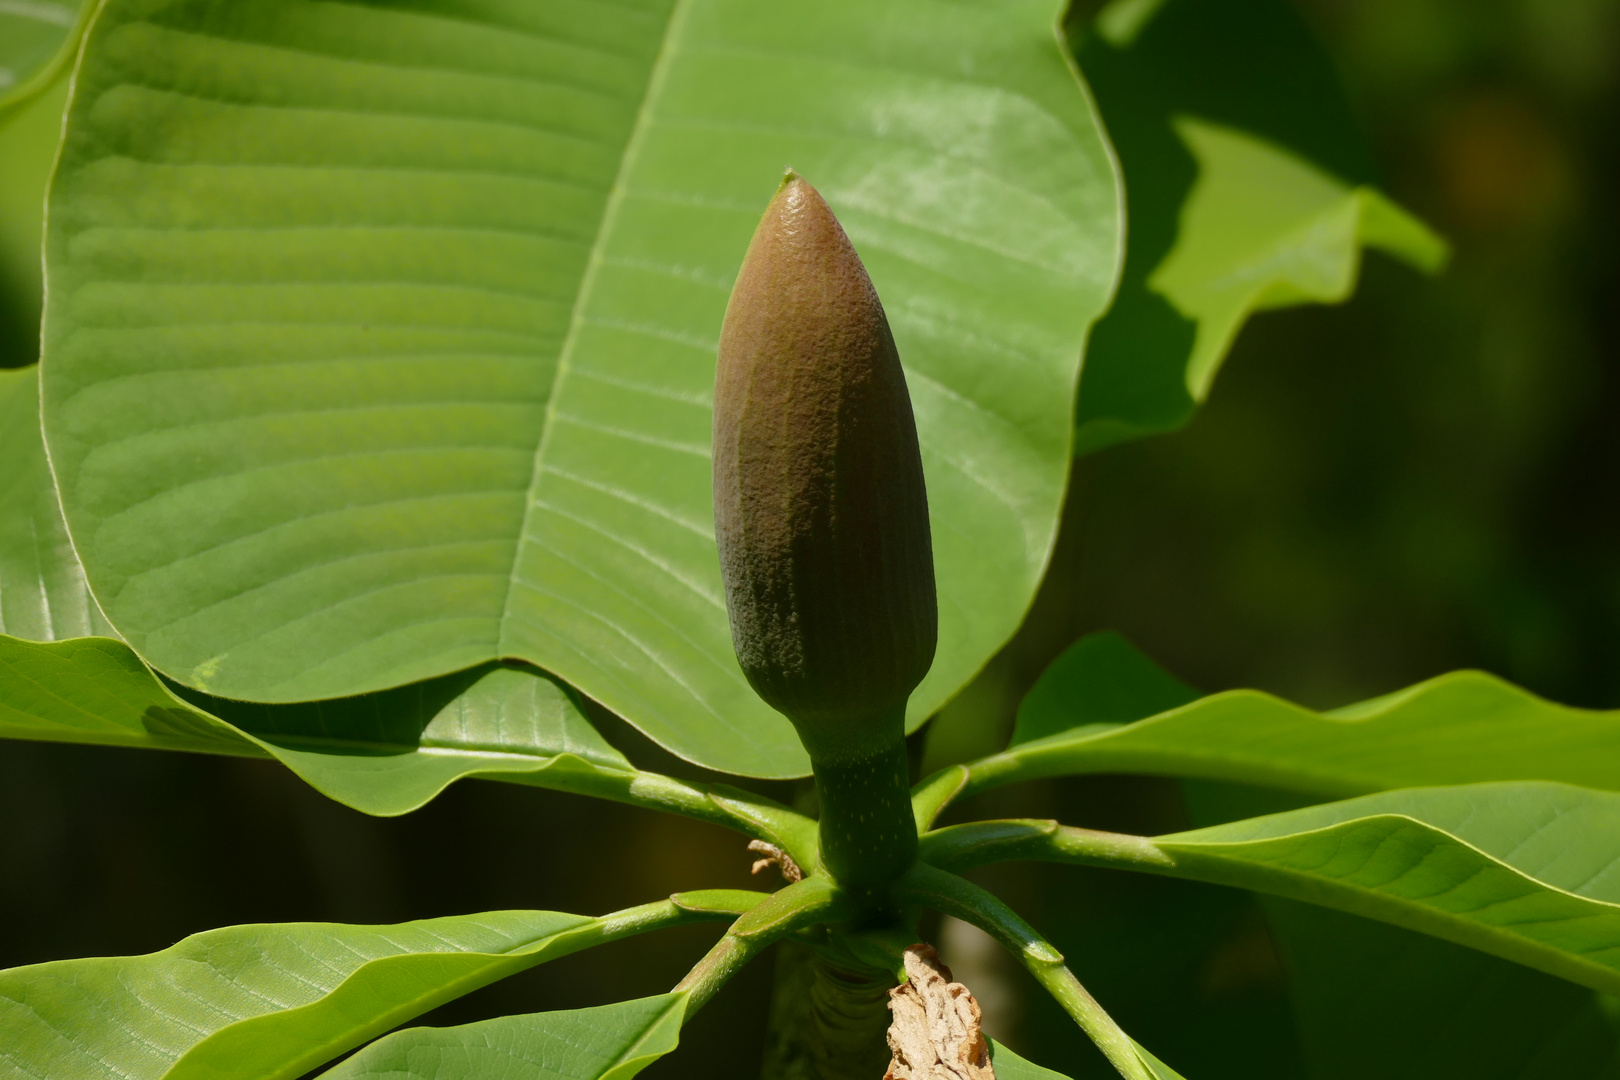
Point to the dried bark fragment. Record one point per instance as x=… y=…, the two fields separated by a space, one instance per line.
x=775 y=856
x=935 y=1034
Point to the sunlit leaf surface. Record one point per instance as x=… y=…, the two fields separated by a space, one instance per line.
x=270 y=1002
x=42 y=591
x=1458 y=728
x=380 y=339
x=1526 y=871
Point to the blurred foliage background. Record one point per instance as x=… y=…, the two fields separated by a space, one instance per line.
x=1422 y=479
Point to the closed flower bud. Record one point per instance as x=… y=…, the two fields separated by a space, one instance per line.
x=820 y=509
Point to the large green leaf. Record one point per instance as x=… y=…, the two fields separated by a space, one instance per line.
x=42 y=591
x=274 y=1001
x=1249 y=189
x=609 y=1042
x=1526 y=871
x=37 y=39
x=380 y=338
x=1458 y=728
x=384 y=753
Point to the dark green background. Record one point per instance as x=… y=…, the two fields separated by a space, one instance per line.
x=1425 y=478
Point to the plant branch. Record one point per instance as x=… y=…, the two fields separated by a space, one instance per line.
x=951 y=895
x=934 y=794
x=718 y=804
x=1028 y=761
x=961 y=847
x=801 y=905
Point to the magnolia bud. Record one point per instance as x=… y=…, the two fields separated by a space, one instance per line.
x=820 y=509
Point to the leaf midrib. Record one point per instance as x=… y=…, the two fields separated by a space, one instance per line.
x=578 y=320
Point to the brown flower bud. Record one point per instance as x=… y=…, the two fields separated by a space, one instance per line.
x=820 y=509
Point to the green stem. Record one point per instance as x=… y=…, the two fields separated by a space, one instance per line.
x=718 y=804
x=805 y=903
x=868 y=832
x=952 y=895
x=680 y=909
x=961 y=847
x=933 y=795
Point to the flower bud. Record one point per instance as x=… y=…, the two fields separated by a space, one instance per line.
x=820 y=509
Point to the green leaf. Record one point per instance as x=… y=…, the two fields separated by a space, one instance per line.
x=1525 y=871
x=1102 y=679
x=385 y=753
x=1455 y=729
x=274 y=1001
x=609 y=1042
x=37 y=40
x=1009 y=1066
x=1249 y=189
x=1373 y=1000
x=380 y=339
x=43 y=596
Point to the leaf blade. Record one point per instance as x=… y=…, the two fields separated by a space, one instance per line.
x=43 y=595
x=502 y=449
x=385 y=754
x=1462 y=727
x=273 y=1000
x=1526 y=871
x=609 y=1042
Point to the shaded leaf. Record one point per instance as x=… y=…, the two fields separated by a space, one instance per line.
x=609 y=1042
x=43 y=596
x=273 y=1001
x=1458 y=728
x=1102 y=679
x=29 y=135
x=1375 y=1002
x=37 y=40
x=386 y=753
x=1249 y=189
x=380 y=339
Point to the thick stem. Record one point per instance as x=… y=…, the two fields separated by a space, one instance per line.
x=827 y=1022
x=868 y=831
